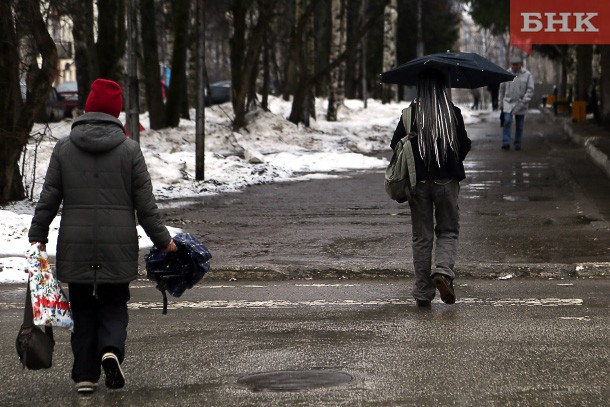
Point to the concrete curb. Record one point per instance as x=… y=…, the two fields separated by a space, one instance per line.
x=492 y=271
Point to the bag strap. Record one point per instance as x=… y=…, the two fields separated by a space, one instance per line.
x=407 y=115
x=164 y=301
x=28 y=312
x=406 y=121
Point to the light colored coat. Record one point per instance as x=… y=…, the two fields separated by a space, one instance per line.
x=514 y=96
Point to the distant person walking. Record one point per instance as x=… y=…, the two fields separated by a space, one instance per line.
x=440 y=148
x=514 y=97
x=493 y=92
x=476 y=98
x=102 y=180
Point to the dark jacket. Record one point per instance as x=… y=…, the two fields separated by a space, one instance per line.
x=453 y=168
x=102 y=179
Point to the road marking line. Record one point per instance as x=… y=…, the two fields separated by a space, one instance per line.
x=315 y=285
x=585 y=318
x=528 y=302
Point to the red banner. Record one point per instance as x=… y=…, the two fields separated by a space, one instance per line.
x=560 y=22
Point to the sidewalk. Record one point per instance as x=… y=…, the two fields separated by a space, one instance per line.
x=591 y=135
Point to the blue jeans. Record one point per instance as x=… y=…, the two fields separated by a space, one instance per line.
x=434 y=211
x=508 y=122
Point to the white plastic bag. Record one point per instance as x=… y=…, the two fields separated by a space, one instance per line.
x=49 y=303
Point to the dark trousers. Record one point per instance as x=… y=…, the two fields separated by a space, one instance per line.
x=100 y=325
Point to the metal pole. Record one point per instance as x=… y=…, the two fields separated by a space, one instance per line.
x=133 y=108
x=200 y=113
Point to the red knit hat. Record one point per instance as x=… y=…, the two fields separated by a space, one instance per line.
x=106 y=96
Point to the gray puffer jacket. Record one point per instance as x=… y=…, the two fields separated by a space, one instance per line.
x=102 y=179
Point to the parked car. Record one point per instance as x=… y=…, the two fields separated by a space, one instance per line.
x=53 y=109
x=220 y=93
x=68 y=92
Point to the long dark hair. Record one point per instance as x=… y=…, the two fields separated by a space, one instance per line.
x=435 y=119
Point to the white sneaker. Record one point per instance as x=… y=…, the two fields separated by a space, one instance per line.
x=112 y=368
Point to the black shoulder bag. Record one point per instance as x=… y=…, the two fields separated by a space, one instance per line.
x=34 y=345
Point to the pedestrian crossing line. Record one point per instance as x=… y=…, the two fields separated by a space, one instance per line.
x=203 y=287
x=528 y=302
x=207 y=304
x=264 y=304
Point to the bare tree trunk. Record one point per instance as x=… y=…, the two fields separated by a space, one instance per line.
x=152 y=74
x=112 y=38
x=180 y=11
x=243 y=58
x=201 y=81
x=605 y=85
x=87 y=66
x=389 y=48
x=251 y=99
x=16 y=117
x=294 y=69
x=239 y=9
x=266 y=73
x=294 y=50
x=310 y=69
x=584 y=70
x=132 y=110
x=419 y=49
x=298 y=102
x=336 y=88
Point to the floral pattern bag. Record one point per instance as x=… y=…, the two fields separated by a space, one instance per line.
x=49 y=303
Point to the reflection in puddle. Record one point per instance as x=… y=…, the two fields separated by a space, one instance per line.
x=527 y=166
x=515 y=198
x=483 y=185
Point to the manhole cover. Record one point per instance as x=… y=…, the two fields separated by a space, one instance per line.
x=294 y=380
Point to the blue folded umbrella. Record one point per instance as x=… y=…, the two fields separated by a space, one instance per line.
x=175 y=272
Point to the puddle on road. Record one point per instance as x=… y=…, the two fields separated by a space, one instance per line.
x=521 y=198
x=518 y=175
x=515 y=198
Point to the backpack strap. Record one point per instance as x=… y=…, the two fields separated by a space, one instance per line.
x=407 y=148
x=407 y=115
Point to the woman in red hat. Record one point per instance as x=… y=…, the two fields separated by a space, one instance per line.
x=101 y=178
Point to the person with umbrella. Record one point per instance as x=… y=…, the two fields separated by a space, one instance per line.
x=514 y=97
x=440 y=148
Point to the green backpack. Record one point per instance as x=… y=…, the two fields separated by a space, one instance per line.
x=400 y=176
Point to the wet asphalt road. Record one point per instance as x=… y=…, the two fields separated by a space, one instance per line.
x=541 y=211
x=296 y=285
x=521 y=342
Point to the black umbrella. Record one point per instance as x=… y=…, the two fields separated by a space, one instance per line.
x=175 y=272
x=465 y=69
